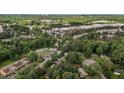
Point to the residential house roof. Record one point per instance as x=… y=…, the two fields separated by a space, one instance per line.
x=118 y=71
x=13 y=67
x=82 y=72
x=1 y=28
x=88 y=62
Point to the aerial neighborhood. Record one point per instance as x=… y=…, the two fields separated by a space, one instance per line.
x=61 y=46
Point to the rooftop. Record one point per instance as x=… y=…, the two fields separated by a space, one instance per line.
x=82 y=72
x=13 y=67
x=1 y=28
x=88 y=62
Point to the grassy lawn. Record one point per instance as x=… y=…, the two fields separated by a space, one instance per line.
x=5 y=63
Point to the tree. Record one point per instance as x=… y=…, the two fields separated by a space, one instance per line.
x=118 y=56
x=15 y=57
x=93 y=35
x=54 y=56
x=102 y=48
x=48 y=64
x=91 y=70
x=74 y=45
x=76 y=76
x=36 y=73
x=67 y=75
x=55 y=73
x=19 y=29
x=32 y=56
x=99 y=50
x=74 y=58
x=108 y=73
x=88 y=49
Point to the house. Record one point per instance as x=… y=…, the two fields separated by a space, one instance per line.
x=102 y=22
x=82 y=73
x=88 y=62
x=5 y=71
x=26 y=36
x=118 y=71
x=73 y=29
x=67 y=24
x=1 y=28
x=6 y=40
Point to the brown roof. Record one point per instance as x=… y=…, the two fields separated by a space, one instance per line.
x=18 y=64
x=6 y=70
x=13 y=67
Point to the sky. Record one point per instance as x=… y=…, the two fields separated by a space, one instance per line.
x=61 y=6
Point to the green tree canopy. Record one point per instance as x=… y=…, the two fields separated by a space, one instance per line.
x=32 y=56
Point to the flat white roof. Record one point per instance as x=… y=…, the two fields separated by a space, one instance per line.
x=1 y=29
